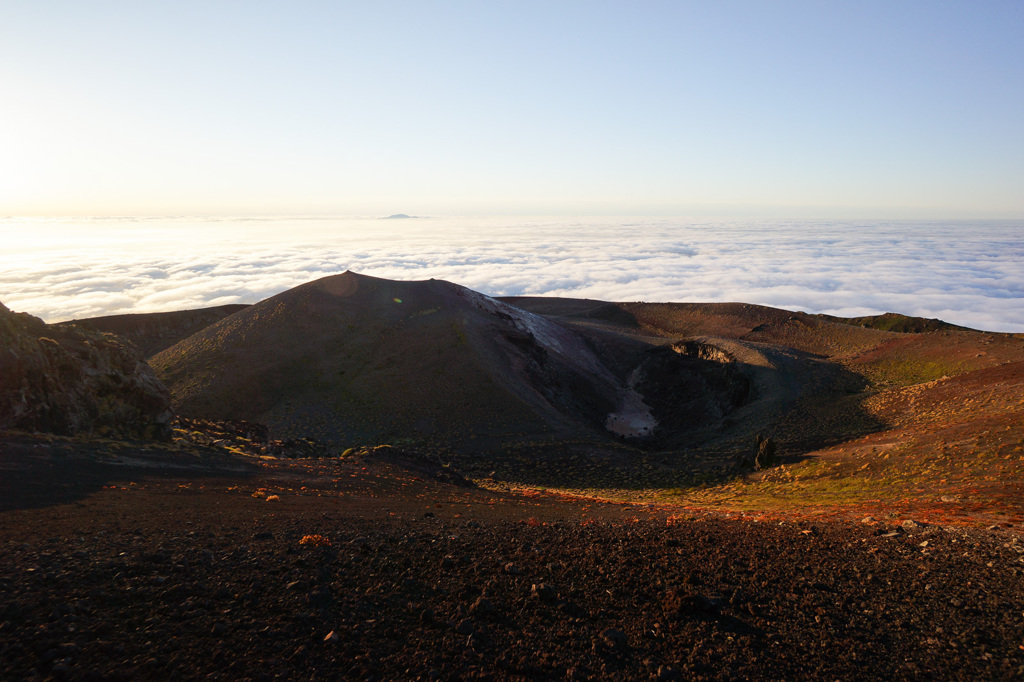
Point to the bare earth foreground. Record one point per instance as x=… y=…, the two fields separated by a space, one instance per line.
x=226 y=507
x=135 y=563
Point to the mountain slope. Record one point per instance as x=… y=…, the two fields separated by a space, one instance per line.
x=351 y=358
x=154 y=332
x=896 y=322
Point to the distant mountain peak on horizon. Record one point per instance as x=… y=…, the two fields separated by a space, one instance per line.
x=398 y=216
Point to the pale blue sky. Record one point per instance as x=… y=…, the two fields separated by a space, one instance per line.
x=874 y=109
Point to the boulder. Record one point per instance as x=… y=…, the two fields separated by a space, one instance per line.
x=67 y=380
x=767 y=455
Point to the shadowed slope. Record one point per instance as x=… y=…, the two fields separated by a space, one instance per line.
x=351 y=358
x=154 y=332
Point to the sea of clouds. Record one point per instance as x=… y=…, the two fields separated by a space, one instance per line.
x=968 y=273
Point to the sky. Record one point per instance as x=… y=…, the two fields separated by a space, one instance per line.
x=780 y=109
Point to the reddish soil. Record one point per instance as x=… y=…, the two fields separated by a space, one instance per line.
x=124 y=563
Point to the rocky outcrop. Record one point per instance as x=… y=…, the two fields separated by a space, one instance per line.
x=68 y=380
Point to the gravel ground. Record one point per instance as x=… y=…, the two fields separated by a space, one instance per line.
x=376 y=574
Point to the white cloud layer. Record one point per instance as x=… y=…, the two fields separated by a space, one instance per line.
x=964 y=272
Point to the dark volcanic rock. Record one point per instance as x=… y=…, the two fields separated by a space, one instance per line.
x=296 y=448
x=67 y=380
x=766 y=453
x=416 y=462
x=691 y=385
x=253 y=439
x=545 y=592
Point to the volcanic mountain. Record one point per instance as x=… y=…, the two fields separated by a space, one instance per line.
x=565 y=384
x=351 y=358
